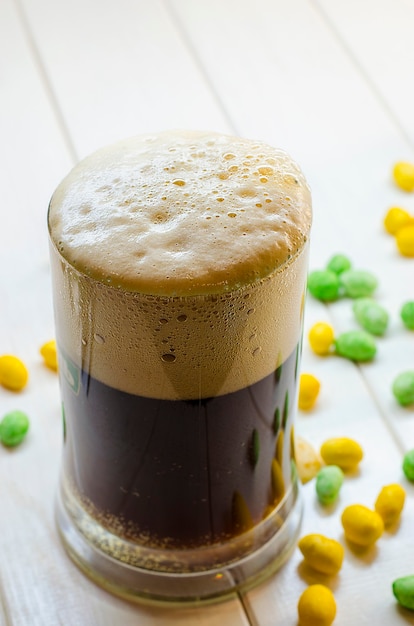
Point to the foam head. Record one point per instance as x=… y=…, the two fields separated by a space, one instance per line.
x=180 y=213
x=180 y=263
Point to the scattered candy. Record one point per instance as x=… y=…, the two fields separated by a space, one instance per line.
x=322 y=554
x=49 y=354
x=403 y=388
x=371 y=315
x=405 y=240
x=390 y=503
x=362 y=525
x=408 y=465
x=309 y=387
x=358 y=283
x=328 y=484
x=13 y=428
x=403 y=590
x=343 y=452
x=403 y=174
x=321 y=337
x=13 y=372
x=339 y=263
x=324 y=285
x=308 y=461
x=395 y=219
x=356 y=345
x=316 y=606
x=407 y=314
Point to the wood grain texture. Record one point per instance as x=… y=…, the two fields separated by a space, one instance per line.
x=379 y=41
x=119 y=69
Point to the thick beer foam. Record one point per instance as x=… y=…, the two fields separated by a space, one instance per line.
x=181 y=213
x=180 y=261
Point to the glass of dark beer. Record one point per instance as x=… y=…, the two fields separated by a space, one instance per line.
x=179 y=264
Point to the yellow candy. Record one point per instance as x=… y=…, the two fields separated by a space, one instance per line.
x=242 y=519
x=49 y=354
x=316 y=606
x=403 y=173
x=309 y=387
x=308 y=461
x=405 y=240
x=13 y=372
x=395 y=219
x=278 y=481
x=361 y=525
x=343 y=452
x=390 y=503
x=321 y=338
x=322 y=554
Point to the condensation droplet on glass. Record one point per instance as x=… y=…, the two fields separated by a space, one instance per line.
x=182 y=318
x=99 y=338
x=168 y=357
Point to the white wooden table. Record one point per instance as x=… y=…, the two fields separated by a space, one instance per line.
x=330 y=81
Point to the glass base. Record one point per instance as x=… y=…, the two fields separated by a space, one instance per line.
x=207 y=578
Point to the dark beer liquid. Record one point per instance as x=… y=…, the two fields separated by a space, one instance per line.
x=179 y=473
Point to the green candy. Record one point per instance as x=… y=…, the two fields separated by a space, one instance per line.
x=324 y=285
x=371 y=315
x=358 y=283
x=403 y=590
x=407 y=315
x=403 y=388
x=329 y=481
x=13 y=428
x=408 y=465
x=356 y=345
x=339 y=263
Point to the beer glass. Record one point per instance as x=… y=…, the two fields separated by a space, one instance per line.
x=179 y=264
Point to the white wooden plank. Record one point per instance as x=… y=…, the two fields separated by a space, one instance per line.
x=270 y=67
x=118 y=69
x=380 y=42
x=33 y=158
